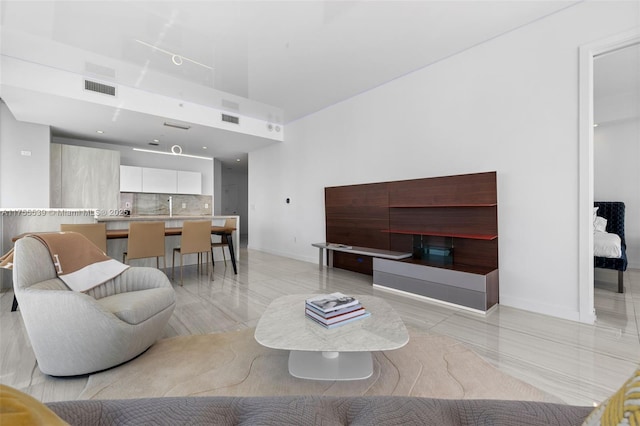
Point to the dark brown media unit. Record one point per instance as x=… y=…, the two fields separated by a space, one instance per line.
x=450 y=223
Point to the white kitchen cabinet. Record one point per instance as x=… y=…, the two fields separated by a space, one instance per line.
x=189 y=182
x=159 y=180
x=130 y=179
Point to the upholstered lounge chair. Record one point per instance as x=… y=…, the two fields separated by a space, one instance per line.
x=75 y=333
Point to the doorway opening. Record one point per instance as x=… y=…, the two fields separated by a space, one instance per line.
x=588 y=54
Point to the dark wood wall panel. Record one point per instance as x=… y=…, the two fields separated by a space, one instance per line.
x=356 y=215
x=400 y=242
x=463 y=220
x=462 y=205
x=359 y=232
x=477 y=188
x=476 y=252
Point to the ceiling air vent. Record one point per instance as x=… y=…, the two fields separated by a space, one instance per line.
x=99 y=87
x=230 y=119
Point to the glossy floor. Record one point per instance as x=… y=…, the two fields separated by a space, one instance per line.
x=577 y=363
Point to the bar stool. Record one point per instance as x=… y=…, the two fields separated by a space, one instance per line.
x=146 y=239
x=195 y=238
x=229 y=223
x=95 y=232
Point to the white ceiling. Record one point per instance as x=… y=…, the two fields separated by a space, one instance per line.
x=276 y=60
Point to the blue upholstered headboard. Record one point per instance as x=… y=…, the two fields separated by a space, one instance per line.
x=613 y=211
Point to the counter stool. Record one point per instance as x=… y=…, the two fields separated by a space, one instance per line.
x=95 y=232
x=195 y=238
x=146 y=239
x=229 y=223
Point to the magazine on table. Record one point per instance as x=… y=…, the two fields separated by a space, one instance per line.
x=337 y=318
x=332 y=302
x=332 y=313
x=339 y=323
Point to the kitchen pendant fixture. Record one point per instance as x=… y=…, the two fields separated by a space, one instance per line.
x=176 y=58
x=176 y=151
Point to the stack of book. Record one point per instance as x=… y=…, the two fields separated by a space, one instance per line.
x=335 y=309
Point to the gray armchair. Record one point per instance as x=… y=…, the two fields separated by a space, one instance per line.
x=76 y=333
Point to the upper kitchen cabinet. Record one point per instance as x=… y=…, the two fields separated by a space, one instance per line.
x=189 y=182
x=130 y=179
x=83 y=177
x=159 y=180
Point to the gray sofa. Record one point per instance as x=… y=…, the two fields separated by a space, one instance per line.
x=75 y=333
x=317 y=410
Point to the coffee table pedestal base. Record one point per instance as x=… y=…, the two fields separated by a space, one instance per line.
x=330 y=365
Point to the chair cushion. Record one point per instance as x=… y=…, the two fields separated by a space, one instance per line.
x=135 y=307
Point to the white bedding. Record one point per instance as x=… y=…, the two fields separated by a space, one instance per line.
x=606 y=244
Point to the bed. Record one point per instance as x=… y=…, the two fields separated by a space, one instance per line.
x=609 y=243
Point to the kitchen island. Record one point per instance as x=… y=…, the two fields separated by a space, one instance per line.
x=117 y=245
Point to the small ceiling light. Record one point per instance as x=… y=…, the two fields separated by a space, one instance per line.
x=176 y=149
x=176 y=59
x=177 y=125
x=100 y=131
x=204 y=147
x=238 y=160
x=595 y=124
x=156 y=140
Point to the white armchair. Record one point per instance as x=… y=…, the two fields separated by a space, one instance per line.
x=75 y=333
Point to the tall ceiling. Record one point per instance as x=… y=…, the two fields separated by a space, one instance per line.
x=275 y=61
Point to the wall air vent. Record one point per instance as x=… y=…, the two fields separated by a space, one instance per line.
x=230 y=118
x=94 y=86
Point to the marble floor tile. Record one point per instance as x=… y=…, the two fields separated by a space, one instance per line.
x=574 y=363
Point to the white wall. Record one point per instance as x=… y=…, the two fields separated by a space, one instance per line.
x=18 y=171
x=617 y=175
x=129 y=157
x=509 y=105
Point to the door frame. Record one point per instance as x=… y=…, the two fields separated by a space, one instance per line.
x=587 y=55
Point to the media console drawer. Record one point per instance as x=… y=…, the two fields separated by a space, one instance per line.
x=472 y=290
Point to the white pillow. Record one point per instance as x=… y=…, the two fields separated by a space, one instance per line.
x=595 y=214
x=600 y=224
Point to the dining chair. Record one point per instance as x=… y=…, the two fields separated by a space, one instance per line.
x=229 y=223
x=195 y=238
x=95 y=232
x=146 y=239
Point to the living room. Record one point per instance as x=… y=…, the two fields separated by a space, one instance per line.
x=510 y=104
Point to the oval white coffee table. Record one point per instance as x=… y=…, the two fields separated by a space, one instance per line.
x=341 y=353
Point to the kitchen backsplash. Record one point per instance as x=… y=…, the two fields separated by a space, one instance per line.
x=145 y=204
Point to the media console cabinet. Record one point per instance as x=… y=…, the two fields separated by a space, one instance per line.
x=449 y=224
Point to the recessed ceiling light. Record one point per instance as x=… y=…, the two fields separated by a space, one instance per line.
x=204 y=147
x=595 y=125
x=156 y=140
x=238 y=160
x=100 y=131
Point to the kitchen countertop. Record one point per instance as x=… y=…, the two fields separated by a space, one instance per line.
x=151 y=218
